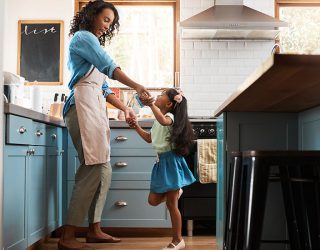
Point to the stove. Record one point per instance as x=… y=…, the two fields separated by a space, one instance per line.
x=198 y=202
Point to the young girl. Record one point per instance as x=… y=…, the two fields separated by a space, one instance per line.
x=171 y=136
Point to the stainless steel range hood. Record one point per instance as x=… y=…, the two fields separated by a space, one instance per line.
x=234 y=21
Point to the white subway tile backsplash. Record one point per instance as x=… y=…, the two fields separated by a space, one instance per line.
x=215 y=61
x=228 y=53
x=219 y=44
x=193 y=53
x=190 y=4
x=207 y=3
x=187 y=71
x=203 y=79
x=209 y=53
x=187 y=61
x=245 y=54
x=186 y=79
x=202 y=62
x=236 y=45
x=202 y=45
x=229 y=64
x=187 y=45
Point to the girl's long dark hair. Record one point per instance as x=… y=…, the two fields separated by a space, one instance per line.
x=84 y=19
x=181 y=133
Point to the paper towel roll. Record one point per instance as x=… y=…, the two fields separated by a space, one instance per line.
x=36 y=98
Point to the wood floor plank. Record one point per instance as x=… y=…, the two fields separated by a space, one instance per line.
x=143 y=243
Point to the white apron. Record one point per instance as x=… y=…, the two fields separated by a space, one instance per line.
x=92 y=117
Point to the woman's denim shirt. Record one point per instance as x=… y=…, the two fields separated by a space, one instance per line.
x=85 y=51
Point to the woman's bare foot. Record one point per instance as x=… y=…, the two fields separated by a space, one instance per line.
x=96 y=235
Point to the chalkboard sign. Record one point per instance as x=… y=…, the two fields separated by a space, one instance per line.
x=40 y=51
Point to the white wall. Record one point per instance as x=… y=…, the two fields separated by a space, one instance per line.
x=218 y=66
x=36 y=10
x=33 y=10
x=211 y=70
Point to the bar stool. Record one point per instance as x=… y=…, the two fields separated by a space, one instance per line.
x=299 y=176
x=233 y=234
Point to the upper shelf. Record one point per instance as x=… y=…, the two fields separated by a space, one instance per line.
x=283 y=83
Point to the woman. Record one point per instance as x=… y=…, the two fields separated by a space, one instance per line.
x=86 y=120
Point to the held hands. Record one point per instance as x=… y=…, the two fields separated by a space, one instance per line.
x=130 y=117
x=145 y=96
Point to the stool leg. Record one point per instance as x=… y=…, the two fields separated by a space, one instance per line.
x=291 y=213
x=233 y=205
x=258 y=173
x=241 y=211
x=316 y=174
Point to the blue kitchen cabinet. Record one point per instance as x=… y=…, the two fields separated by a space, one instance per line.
x=15 y=197
x=32 y=181
x=54 y=188
x=221 y=189
x=36 y=193
x=242 y=131
x=309 y=129
x=127 y=205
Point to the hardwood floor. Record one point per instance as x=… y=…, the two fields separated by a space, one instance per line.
x=156 y=243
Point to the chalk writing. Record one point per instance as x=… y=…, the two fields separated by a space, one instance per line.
x=36 y=32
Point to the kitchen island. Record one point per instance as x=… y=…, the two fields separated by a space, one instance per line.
x=276 y=108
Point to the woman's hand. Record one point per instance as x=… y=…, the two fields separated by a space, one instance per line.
x=142 y=91
x=144 y=96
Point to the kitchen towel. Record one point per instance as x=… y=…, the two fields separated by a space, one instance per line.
x=207 y=160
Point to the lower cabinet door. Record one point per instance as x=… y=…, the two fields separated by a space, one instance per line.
x=127 y=206
x=14 y=197
x=36 y=194
x=54 y=190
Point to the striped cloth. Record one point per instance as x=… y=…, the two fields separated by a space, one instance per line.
x=207 y=160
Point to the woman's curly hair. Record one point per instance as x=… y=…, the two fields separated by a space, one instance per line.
x=84 y=19
x=181 y=134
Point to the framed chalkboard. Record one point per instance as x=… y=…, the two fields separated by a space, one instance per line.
x=40 y=51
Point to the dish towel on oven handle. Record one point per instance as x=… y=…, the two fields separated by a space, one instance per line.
x=207 y=160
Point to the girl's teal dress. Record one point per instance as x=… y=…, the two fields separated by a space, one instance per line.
x=170 y=171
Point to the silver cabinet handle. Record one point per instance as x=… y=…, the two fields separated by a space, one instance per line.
x=121 y=164
x=54 y=136
x=120 y=203
x=39 y=133
x=22 y=130
x=60 y=152
x=121 y=138
x=31 y=151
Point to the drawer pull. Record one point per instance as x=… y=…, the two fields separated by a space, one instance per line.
x=60 y=152
x=22 y=130
x=31 y=151
x=54 y=136
x=39 y=133
x=121 y=138
x=121 y=164
x=120 y=203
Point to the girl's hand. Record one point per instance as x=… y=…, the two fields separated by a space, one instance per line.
x=133 y=124
x=130 y=116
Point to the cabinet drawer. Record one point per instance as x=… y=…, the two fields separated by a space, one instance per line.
x=127 y=206
x=19 y=130
x=39 y=133
x=132 y=168
x=53 y=136
x=127 y=138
